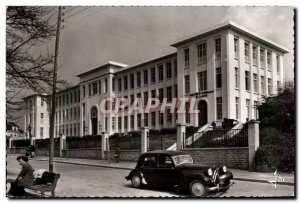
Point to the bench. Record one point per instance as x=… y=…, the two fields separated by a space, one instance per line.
x=47 y=183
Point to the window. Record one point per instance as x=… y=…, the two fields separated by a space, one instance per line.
x=113 y=85
x=120 y=84
x=138 y=79
x=145 y=98
x=146 y=77
x=248 y=109
x=176 y=91
x=269 y=86
x=153 y=95
x=75 y=134
x=161 y=94
x=186 y=58
x=113 y=123
x=255 y=109
x=262 y=81
x=119 y=123
x=94 y=88
x=169 y=70
x=90 y=90
x=153 y=118
x=132 y=122
x=100 y=89
x=67 y=112
x=161 y=72
x=169 y=117
x=106 y=124
x=131 y=81
x=42 y=118
x=42 y=102
x=247 y=80
x=139 y=120
x=237 y=108
x=247 y=52
x=63 y=100
x=150 y=162
x=262 y=58
x=201 y=49
x=278 y=86
x=255 y=82
x=67 y=99
x=153 y=75
x=254 y=55
x=236 y=47
x=278 y=64
x=218 y=48
x=237 y=81
x=146 y=119
x=131 y=99
x=219 y=108
x=169 y=93
x=161 y=119
x=71 y=130
x=71 y=115
x=202 y=81
x=125 y=122
x=83 y=109
x=125 y=82
x=175 y=68
x=269 y=60
x=218 y=77
x=106 y=85
x=187 y=84
x=75 y=116
x=187 y=112
x=41 y=132
x=71 y=96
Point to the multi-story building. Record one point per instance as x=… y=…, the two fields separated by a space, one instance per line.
x=228 y=68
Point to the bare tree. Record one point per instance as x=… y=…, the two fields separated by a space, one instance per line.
x=28 y=29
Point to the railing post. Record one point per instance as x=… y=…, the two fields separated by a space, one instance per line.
x=103 y=144
x=253 y=141
x=62 y=144
x=180 y=136
x=161 y=141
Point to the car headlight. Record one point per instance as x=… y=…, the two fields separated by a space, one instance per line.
x=224 y=169
x=210 y=172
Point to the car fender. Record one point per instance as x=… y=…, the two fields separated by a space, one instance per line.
x=227 y=175
x=200 y=176
x=138 y=172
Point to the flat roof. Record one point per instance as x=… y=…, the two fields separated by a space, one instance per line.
x=237 y=28
x=110 y=63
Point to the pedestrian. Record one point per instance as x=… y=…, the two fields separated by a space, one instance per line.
x=24 y=179
x=214 y=125
x=117 y=155
x=32 y=151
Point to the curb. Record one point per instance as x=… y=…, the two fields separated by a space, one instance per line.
x=126 y=168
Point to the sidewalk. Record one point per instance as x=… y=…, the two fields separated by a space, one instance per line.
x=241 y=175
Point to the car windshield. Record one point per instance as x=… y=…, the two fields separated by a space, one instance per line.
x=182 y=159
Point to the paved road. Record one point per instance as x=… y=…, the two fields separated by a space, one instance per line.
x=88 y=181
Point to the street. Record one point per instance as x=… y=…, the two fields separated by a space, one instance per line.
x=89 y=181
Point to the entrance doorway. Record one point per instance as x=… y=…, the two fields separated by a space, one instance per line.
x=94 y=119
x=202 y=116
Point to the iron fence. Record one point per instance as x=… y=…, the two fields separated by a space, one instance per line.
x=217 y=139
x=160 y=141
x=125 y=142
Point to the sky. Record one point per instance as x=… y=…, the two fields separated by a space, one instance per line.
x=92 y=36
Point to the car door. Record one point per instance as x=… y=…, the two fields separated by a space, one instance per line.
x=148 y=169
x=166 y=172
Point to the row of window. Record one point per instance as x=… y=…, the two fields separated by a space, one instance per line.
x=67 y=98
x=255 y=55
x=67 y=115
x=237 y=101
x=68 y=130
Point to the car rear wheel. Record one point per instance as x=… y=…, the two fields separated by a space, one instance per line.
x=136 y=181
x=197 y=189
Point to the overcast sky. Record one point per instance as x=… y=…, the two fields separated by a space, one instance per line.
x=92 y=36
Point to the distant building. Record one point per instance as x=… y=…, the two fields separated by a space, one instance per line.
x=228 y=68
x=13 y=131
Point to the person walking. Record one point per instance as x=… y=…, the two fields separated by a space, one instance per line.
x=117 y=154
x=25 y=178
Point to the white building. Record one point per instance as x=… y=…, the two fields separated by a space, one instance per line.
x=228 y=68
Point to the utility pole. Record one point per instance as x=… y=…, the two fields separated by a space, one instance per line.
x=51 y=150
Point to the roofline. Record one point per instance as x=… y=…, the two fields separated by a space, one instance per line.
x=237 y=27
x=70 y=88
x=112 y=63
x=148 y=62
x=33 y=95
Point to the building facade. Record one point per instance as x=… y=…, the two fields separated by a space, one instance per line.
x=229 y=69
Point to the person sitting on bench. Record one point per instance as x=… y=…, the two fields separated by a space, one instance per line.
x=25 y=178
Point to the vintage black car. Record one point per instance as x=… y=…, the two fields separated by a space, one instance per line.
x=176 y=170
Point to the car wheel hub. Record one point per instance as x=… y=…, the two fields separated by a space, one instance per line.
x=136 y=181
x=198 y=189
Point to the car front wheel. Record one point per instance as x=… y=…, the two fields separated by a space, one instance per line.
x=197 y=189
x=136 y=181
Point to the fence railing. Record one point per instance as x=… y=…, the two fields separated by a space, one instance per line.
x=125 y=142
x=218 y=138
x=160 y=141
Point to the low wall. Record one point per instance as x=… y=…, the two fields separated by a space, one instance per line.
x=126 y=155
x=237 y=157
x=45 y=152
x=16 y=150
x=84 y=153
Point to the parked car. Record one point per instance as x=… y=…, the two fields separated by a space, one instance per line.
x=176 y=170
